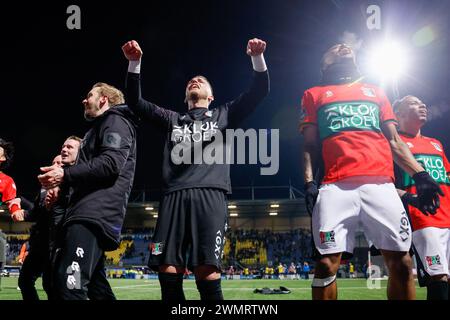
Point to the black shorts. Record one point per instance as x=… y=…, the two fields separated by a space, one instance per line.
x=190 y=229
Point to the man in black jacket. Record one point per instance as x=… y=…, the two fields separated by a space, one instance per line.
x=100 y=183
x=47 y=213
x=193 y=212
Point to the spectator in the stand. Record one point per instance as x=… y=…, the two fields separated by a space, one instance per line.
x=230 y=273
x=292 y=271
x=306 y=270
x=351 y=270
x=299 y=269
x=280 y=271
x=246 y=273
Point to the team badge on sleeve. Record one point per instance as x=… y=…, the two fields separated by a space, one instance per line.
x=112 y=140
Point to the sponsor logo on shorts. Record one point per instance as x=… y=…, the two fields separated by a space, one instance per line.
x=433 y=260
x=404 y=227
x=157 y=248
x=73 y=276
x=80 y=252
x=327 y=237
x=218 y=244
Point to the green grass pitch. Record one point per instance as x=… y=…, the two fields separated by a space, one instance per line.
x=126 y=289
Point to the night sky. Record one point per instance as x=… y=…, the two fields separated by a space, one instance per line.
x=47 y=69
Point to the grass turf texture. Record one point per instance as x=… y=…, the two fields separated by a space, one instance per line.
x=126 y=289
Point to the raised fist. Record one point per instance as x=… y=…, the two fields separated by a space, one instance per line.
x=255 y=47
x=132 y=51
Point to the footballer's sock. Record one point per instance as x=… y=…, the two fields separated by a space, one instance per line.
x=171 y=286
x=437 y=290
x=210 y=289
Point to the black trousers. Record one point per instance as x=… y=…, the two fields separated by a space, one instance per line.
x=36 y=264
x=80 y=266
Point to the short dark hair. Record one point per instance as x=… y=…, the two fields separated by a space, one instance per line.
x=204 y=78
x=399 y=103
x=8 y=148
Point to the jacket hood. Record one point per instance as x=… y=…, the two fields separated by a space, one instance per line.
x=124 y=111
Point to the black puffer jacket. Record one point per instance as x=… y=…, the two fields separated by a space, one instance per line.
x=102 y=177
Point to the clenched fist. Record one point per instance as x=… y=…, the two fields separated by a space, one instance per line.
x=51 y=177
x=132 y=51
x=18 y=215
x=255 y=47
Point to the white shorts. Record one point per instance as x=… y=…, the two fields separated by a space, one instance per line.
x=433 y=249
x=370 y=204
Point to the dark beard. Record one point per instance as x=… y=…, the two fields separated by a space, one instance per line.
x=343 y=71
x=193 y=96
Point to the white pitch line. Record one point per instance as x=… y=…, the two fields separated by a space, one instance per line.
x=134 y=286
x=239 y=289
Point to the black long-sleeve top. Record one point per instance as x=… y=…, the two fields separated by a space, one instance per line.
x=198 y=129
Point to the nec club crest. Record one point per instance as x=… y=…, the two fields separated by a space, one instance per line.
x=436 y=146
x=327 y=237
x=157 y=248
x=410 y=145
x=368 y=92
x=433 y=260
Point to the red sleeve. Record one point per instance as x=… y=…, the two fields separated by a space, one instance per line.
x=308 y=112
x=446 y=163
x=23 y=250
x=9 y=192
x=386 y=111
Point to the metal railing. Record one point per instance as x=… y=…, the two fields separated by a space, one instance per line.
x=238 y=193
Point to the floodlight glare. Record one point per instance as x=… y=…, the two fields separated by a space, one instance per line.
x=388 y=60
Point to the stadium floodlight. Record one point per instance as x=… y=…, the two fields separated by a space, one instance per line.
x=148 y=208
x=388 y=60
x=274 y=205
x=273 y=213
x=232 y=206
x=233 y=214
x=1 y=210
x=155 y=216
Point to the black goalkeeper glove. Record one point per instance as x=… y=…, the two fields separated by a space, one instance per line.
x=428 y=192
x=311 y=194
x=412 y=200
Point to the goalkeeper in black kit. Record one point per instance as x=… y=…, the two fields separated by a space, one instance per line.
x=192 y=218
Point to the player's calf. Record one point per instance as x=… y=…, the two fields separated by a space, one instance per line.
x=171 y=282
x=437 y=288
x=208 y=282
x=324 y=283
x=401 y=281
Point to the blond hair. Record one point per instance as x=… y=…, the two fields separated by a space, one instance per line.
x=76 y=138
x=114 y=95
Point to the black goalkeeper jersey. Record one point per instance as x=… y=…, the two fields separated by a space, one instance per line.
x=193 y=140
